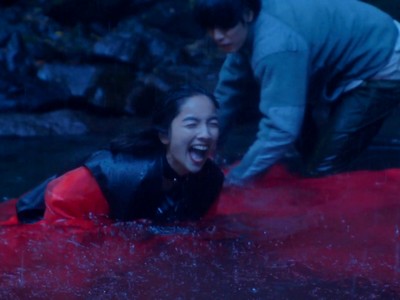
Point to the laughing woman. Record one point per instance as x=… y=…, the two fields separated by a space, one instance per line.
x=163 y=174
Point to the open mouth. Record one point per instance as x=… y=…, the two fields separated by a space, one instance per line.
x=198 y=153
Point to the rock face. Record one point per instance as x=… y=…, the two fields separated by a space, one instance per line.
x=111 y=55
x=60 y=122
x=108 y=56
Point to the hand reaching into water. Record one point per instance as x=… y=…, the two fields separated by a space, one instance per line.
x=231 y=178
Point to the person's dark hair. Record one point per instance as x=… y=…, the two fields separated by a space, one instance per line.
x=223 y=14
x=166 y=108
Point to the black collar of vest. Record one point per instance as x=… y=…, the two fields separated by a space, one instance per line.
x=171 y=174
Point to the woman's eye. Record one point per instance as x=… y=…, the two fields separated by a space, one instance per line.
x=190 y=125
x=214 y=124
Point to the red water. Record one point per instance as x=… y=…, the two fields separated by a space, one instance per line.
x=282 y=238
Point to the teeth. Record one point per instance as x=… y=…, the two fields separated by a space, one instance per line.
x=198 y=153
x=200 y=147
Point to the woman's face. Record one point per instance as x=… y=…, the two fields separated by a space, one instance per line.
x=193 y=135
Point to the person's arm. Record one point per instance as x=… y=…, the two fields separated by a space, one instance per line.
x=30 y=206
x=74 y=195
x=235 y=78
x=284 y=79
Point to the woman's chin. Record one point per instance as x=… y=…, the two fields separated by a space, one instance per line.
x=196 y=166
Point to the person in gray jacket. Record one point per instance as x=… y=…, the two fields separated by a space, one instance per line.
x=304 y=55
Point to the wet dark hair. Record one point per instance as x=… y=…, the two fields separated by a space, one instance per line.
x=223 y=14
x=166 y=108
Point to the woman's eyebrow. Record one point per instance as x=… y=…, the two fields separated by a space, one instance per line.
x=192 y=118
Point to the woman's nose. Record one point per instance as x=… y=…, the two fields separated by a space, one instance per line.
x=204 y=132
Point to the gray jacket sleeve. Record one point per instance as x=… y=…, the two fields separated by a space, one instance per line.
x=283 y=78
x=235 y=79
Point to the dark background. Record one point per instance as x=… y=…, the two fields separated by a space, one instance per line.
x=74 y=74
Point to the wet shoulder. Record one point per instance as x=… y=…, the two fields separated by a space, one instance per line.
x=108 y=163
